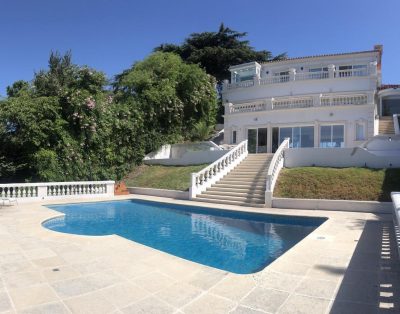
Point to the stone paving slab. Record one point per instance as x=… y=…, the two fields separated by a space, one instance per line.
x=347 y=265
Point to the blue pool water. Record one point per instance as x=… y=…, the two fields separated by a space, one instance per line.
x=238 y=242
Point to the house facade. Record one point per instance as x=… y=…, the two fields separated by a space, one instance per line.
x=323 y=101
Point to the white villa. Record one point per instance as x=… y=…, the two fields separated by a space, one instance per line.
x=333 y=100
x=328 y=110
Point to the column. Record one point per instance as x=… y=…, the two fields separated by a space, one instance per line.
x=331 y=70
x=292 y=74
x=373 y=68
x=316 y=133
x=228 y=108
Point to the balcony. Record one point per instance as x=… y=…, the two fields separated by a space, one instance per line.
x=313 y=101
x=331 y=73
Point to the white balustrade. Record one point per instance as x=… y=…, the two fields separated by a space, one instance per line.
x=302 y=76
x=273 y=171
x=203 y=179
x=274 y=79
x=299 y=102
x=352 y=72
x=244 y=84
x=342 y=100
x=56 y=190
x=291 y=103
x=248 y=107
x=332 y=73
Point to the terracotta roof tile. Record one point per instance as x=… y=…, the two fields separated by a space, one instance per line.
x=323 y=55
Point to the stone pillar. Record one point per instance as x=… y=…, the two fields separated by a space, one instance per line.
x=268 y=104
x=292 y=74
x=256 y=80
x=373 y=68
x=42 y=192
x=316 y=133
x=317 y=100
x=331 y=70
x=228 y=108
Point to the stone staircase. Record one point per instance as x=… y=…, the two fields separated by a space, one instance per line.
x=386 y=125
x=244 y=185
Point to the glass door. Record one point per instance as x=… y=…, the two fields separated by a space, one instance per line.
x=257 y=140
x=252 y=141
x=262 y=140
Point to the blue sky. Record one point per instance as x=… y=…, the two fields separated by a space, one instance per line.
x=110 y=35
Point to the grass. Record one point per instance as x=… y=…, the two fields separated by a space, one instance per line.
x=333 y=183
x=162 y=177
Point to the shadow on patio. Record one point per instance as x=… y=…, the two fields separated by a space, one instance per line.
x=371 y=282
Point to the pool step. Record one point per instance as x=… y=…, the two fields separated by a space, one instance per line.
x=243 y=186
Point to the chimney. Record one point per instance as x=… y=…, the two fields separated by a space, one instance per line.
x=379 y=48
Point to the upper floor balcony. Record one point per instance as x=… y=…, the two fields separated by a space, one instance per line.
x=331 y=72
x=301 y=102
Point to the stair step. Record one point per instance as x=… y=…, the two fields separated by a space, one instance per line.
x=241 y=179
x=237 y=187
x=237 y=203
x=247 y=194
x=256 y=200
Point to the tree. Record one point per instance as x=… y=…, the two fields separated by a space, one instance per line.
x=217 y=51
x=17 y=87
x=171 y=95
x=67 y=126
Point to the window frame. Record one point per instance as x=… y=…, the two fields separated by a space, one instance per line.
x=331 y=125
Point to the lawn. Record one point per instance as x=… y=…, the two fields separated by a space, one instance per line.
x=335 y=183
x=162 y=177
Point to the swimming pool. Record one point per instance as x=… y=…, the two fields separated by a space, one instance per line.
x=238 y=242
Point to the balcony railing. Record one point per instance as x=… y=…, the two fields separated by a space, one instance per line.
x=290 y=103
x=301 y=76
x=321 y=100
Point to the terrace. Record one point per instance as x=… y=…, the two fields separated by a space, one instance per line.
x=348 y=265
x=316 y=101
x=251 y=76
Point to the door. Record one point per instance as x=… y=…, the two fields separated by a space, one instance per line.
x=257 y=140
x=262 y=140
x=252 y=141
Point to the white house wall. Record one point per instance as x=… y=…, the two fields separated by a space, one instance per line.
x=347 y=115
x=299 y=85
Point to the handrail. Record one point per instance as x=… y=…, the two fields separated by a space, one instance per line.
x=273 y=171
x=203 y=179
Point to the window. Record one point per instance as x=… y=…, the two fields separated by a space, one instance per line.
x=246 y=74
x=318 y=69
x=318 y=73
x=299 y=136
x=234 y=137
x=352 y=70
x=360 y=132
x=282 y=76
x=331 y=136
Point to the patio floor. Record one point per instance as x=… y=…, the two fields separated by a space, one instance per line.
x=348 y=265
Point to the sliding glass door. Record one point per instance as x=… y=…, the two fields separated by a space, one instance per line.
x=257 y=140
